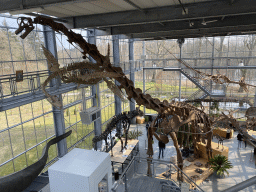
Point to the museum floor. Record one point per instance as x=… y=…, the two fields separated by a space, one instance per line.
x=243 y=168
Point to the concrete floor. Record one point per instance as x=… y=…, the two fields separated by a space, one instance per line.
x=243 y=168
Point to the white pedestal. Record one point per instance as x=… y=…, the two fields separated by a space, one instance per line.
x=81 y=171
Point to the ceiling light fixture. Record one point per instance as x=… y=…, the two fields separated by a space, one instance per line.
x=191 y=24
x=205 y=22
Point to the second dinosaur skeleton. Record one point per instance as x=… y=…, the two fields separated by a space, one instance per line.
x=218 y=78
x=113 y=124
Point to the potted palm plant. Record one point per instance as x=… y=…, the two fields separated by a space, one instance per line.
x=220 y=164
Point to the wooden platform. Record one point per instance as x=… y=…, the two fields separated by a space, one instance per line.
x=222 y=132
x=190 y=171
x=252 y=133
x=215 y=150
x=120 y=157
x=140 y=120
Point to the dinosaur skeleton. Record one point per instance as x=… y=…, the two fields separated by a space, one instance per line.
x=182 y=112
x=220 y=141
x=251 y=118
x=219 y=78
x=123 y=118
x=235 y=125
x=80 y=73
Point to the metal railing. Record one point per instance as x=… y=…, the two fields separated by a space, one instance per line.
x=131 y=66
x=32 y=80
x=242 y=185
x=122 y=184
x=207 y=86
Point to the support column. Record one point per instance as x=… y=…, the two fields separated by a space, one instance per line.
x=95 y=91
x=211 y=72
x=58 y=114
x=180 y=42
x=143 y=65
x=144 y=87
x=132 y=75
x=255 y=99
x=118 y=108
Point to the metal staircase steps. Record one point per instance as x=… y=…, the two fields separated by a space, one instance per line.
x=204 y=90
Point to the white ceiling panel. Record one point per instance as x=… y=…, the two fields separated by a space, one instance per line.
x=124 y=5
x=144 y=4
x=61 y=10
x=107 y=5
x=93 y=8
x=78 y=9
x=52 y=13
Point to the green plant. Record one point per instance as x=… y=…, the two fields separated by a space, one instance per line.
x=220 y=164
x=197 y=104
x=134 y=134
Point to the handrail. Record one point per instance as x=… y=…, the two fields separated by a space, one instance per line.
x=115 y=185
x=170 y=179
x=168 y=162
x=242 y=185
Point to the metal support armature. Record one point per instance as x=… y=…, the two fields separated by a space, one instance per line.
x=116 y=56
x=132 y=75
x=95 y=92
x=180 y=42
x=58 y=114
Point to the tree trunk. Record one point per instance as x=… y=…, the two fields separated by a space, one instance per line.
x=243 y=74
x=154 y=76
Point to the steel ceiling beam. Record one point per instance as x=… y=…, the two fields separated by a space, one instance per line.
x=241 y=20
x=193 y=33
x=200 y=10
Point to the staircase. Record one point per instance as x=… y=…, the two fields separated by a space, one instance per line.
x=206 y=87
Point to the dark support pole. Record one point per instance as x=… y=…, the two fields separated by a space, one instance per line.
x=118 y=108
x=144 y=75
x=180 y=42
x=211 y=71
x=58 y=114
x=132 y=75
x=255 y=99
x=95 y=91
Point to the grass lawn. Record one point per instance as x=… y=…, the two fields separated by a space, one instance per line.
x=35 y=131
